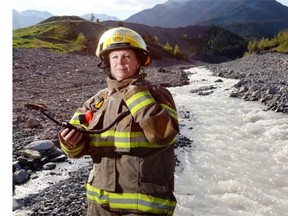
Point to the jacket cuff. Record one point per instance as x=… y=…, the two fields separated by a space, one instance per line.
x=70 y=151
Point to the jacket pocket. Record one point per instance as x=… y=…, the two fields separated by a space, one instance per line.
x=152 y=188
x=157 y=171
x=153 y=180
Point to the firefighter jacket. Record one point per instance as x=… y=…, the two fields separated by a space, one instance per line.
x=133 y=161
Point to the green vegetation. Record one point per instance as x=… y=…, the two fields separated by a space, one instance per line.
x=73 y=34
x=176 y=51
x=168 y=47
x=60 y=34
x=221 y=42
x=215 y=41
x=277 y=44
x=57 y=37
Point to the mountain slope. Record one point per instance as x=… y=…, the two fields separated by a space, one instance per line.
x=100 y=17
x=226 y=13
x=32 y=17
x=28 y=18
x=62 y=34
x=72 y=34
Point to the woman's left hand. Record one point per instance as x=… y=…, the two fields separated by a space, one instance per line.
x=71 y=137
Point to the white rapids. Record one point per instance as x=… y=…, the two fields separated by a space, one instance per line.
x=239 y=161
x=238 y=165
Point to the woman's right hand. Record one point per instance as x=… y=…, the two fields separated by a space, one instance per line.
x=71 y=137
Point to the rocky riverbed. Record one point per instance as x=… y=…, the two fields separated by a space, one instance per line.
x=263 y=78
x=63 y=82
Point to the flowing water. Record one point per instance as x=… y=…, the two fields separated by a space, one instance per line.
x=238 y=164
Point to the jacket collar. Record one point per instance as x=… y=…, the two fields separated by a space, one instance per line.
x=118 y=85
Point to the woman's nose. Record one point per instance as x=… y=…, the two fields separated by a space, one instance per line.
x=120 y=60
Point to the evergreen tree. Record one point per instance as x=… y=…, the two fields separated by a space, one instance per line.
x=177 y=51
x=168 y=47
x=92 y=17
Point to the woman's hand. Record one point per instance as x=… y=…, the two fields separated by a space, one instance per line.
x=71 y=137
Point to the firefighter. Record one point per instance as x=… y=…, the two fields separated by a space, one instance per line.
x=133 y=161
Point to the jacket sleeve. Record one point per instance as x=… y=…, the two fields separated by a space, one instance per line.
x=155 y=111
x=74 y=152
x=82 y=148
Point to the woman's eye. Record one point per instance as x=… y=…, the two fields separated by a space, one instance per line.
x=115 y=57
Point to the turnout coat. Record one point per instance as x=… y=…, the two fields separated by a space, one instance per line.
x=133 y=161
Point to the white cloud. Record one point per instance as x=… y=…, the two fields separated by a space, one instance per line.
x=284 y=2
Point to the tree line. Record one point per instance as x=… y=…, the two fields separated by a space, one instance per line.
x=279 y=43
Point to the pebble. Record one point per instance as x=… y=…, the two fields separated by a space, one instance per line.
x=263 y=78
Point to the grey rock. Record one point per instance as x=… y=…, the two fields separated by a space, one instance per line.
x=32 y=154
x=41 y=145
x=20 y=176
x=49 y=166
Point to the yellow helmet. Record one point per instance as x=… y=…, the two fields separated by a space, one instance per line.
x=121 y=38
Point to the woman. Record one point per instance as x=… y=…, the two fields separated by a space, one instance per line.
x=133 y=161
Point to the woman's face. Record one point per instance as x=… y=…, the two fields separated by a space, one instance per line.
x=123 y=64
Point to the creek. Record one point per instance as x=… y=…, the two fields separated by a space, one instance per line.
x=238 y=164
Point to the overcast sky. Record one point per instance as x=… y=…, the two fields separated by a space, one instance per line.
x=119 y=8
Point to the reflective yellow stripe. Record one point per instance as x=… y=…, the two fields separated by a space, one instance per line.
x=122 y=140
x=171 y=111
x=133 y=201
x=71 y=151
x=138 y=101
x=75 y=120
